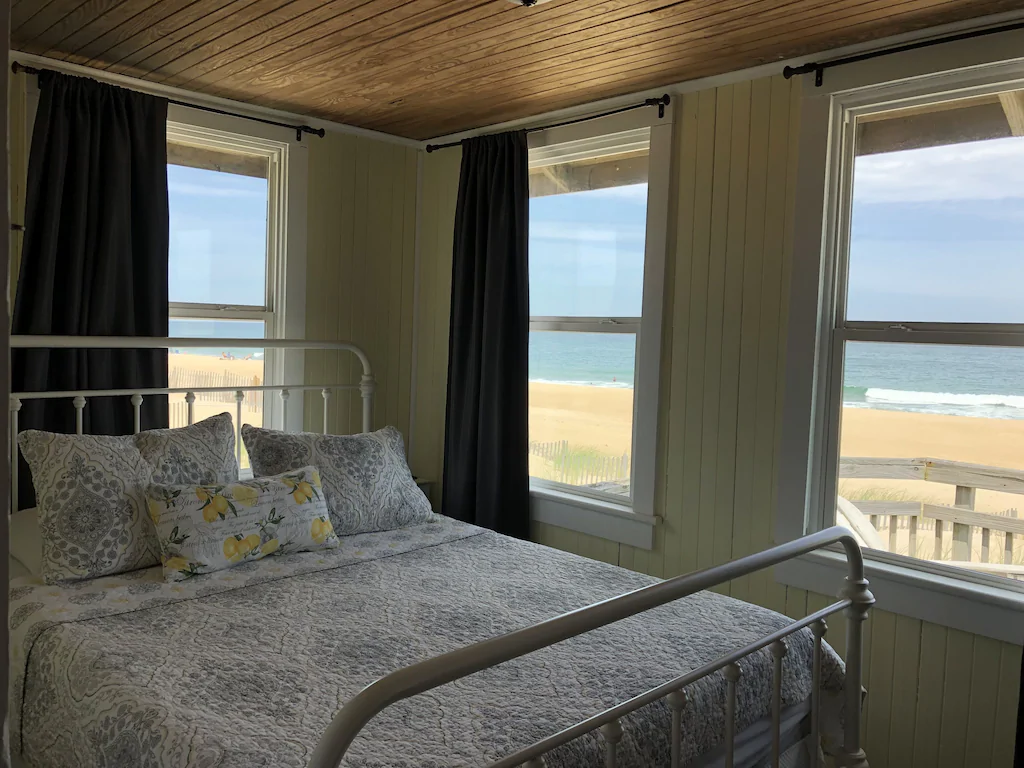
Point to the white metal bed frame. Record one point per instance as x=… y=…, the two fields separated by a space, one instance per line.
x=855 y=599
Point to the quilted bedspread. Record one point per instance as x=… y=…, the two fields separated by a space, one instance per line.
x=246 y=667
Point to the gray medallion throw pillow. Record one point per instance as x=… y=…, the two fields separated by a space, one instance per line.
x=91 y=495
x=199 y=454
x=367 y=483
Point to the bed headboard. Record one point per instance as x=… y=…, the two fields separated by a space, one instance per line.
x=79 y=399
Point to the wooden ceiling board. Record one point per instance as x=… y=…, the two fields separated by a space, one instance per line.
x=292 y=71
x=362 y=60
x=496 y=46
x=197 y=39
x=291 y=35
x=423 y=68
x=619 y=79
x=540 y=98
x=619 y=53
x=286 y=20
x=190 y=27
x=122 y=21
x=557 y=55
x=33 y=19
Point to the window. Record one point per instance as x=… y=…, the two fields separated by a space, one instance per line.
x=596 y=282
x=919 y=374
x=228 y=200
x=588 y=214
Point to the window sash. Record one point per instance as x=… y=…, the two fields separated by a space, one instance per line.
x=586 y=324
x=592 y=325
x=967 y=334
x=824 y=491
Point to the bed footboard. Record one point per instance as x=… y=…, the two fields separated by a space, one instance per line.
x=855 y=601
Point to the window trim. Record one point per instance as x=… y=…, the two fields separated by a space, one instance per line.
x=604 y=517
x=942 y=594
x=284 y=308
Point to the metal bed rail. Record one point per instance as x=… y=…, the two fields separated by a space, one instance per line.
x=79 y=398
x=855 y=601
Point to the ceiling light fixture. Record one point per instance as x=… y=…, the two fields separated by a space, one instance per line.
x=528 y=3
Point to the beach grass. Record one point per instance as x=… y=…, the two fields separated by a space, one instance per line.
x=878 y=493
x=565 y=462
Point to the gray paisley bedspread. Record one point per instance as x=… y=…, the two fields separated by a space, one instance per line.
x=246 y=667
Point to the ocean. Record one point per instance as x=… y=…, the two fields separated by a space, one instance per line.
x=985 y=382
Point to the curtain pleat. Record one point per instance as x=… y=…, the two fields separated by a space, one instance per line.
x=94 y=259
x=486 y=471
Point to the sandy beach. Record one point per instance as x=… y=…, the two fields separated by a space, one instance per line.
x=600 y=419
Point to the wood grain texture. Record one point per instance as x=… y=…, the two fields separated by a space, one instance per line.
x=423 y=68
x=935 y=696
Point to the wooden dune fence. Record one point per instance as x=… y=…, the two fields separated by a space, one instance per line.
x=957 y=533
x=578 y=468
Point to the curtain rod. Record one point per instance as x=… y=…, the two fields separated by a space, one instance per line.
x=819 y=67
x=661 y=102
x=17 y=67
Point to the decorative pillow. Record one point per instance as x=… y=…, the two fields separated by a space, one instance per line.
x=367 y=483
x=201 y=453
x=206 y=528
x=91 y=496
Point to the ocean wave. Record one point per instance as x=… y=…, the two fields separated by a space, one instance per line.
x=903 y=397
x=606 y=384
x=951 y=403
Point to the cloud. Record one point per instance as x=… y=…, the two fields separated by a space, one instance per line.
x=982 y=170
x=184 y=188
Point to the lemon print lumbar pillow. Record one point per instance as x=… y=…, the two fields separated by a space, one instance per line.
x=206 y=528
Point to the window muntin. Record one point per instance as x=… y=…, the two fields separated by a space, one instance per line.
x=927 y=378
x=588 y=214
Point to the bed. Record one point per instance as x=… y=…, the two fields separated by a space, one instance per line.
x=485 y=650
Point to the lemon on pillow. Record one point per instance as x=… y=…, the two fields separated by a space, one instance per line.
x=207 y=528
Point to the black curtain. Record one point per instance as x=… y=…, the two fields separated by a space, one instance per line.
x=94 y=259
x=486 y=472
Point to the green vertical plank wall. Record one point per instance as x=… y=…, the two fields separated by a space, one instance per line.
x=360 y=275
x=936 y=697
x=440 y=186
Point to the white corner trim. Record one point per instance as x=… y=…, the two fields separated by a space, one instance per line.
x=241 y=107
x=604 y=519
x=713 y=81
x=980 y=609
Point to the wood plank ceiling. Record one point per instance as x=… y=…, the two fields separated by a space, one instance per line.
x=424 y=68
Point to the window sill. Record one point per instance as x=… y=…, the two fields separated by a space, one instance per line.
x=971 y=607
x=604 y=519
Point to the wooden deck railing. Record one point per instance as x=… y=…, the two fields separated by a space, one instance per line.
x=920 y=520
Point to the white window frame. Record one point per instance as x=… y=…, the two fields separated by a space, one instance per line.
x=818 y=329
x=284 y=309
x=627 y=521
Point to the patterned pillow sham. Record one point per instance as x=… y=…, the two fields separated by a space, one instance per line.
x=201 y=453
x=367 y=482
x=207 y=528
x=91 y=495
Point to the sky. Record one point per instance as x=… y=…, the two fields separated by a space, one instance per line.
x=587 y=252
x=938 y=234
x=218 y=236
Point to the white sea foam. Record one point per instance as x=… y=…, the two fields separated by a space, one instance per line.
x=949 y=403
x=901 y=397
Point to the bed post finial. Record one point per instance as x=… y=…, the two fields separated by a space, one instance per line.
x=861 y=600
